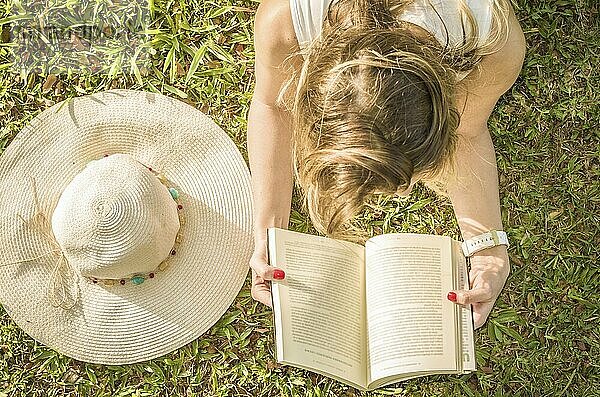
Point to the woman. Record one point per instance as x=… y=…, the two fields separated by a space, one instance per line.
x=382 y=93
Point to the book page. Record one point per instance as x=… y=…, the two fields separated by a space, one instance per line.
x=319 y=307
x=411 y=326
x=466 y=316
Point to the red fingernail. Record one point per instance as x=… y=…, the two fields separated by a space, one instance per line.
x=278 y=274
x=452 y=296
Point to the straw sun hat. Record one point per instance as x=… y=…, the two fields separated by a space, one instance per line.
x=125 y=226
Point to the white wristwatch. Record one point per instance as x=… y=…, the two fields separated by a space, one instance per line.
x=485 y=240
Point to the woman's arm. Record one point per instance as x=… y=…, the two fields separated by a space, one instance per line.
x=269 y=136
x=475 y=195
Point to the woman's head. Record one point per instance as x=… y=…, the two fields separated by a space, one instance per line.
x=373 y=111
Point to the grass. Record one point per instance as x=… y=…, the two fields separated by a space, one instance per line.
x=543 y=337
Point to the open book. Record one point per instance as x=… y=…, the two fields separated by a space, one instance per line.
x=373 y=315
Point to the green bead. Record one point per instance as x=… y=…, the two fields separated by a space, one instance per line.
x=137 y=280
x=174 y=193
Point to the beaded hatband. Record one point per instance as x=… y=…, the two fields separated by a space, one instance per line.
x=139 y=278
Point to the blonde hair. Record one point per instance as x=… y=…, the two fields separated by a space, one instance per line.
x=373 y=107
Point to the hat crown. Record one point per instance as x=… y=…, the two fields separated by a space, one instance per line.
x=115 y=219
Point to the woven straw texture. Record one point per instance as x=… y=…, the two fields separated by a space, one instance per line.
x=130 y=323
x=115 y=219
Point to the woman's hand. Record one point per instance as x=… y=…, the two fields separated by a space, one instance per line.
x=262 y=274
x=489 y=271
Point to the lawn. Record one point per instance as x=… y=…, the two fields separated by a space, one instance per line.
x=543 y=337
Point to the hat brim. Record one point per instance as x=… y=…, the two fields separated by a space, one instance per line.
x=129 y=323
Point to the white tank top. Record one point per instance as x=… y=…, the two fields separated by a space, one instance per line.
x=308 y=17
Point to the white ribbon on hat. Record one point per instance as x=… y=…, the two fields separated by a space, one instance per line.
x=63 y=290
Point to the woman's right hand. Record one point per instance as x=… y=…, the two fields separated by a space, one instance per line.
x=262 y=274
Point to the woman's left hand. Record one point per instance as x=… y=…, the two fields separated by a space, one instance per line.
x=489 y=270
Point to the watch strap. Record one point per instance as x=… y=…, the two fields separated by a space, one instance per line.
x=483 y=241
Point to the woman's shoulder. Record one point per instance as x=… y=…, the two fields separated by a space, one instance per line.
x=274 y=34
x=275 y=45
x=478 y=93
